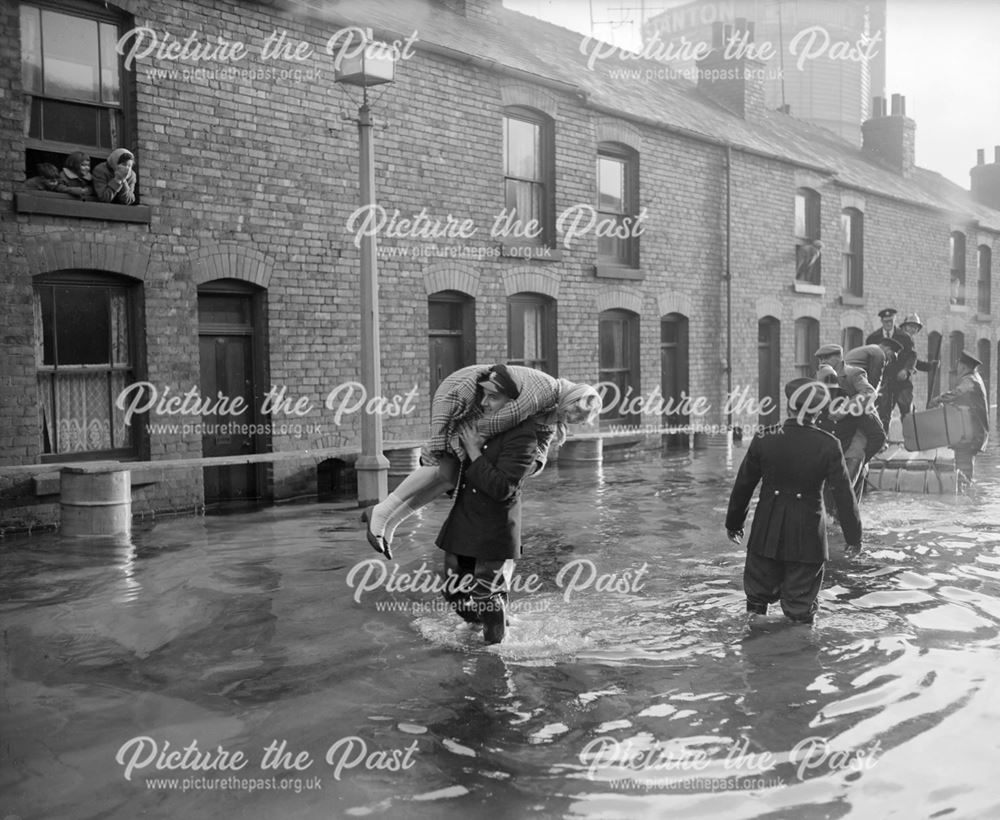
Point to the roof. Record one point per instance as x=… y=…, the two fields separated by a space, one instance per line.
x=554 y=55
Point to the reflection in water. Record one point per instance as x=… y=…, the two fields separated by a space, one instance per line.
x=632 y=688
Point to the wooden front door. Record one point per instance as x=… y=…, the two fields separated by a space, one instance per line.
x=226 y=347
x=769 y=367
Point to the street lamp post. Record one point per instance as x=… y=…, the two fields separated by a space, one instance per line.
x=372 y=65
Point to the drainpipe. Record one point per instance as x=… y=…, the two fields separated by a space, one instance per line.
x=729 y=284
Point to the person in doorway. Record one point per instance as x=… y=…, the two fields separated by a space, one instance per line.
x=553 y=403
x=787 y=549
x=481 y=536
x=970 y=392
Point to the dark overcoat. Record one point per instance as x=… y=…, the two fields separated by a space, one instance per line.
x=791 y=462
x=485 y=520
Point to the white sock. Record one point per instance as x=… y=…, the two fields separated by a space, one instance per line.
x=397 y=518
x=383 y=511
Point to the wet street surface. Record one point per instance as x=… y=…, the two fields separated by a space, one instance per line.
x=270 y=665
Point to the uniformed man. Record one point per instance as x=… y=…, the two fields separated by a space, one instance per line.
x=875 y=358
x=969 y=392
x=897 y=379
x=787 y=549
x=888 y=329
x=867 y=436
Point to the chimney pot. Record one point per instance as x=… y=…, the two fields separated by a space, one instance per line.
x=895 y=104
x=996 y=153
x=980 y=156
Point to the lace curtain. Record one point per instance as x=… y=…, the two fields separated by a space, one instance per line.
x=76 y=407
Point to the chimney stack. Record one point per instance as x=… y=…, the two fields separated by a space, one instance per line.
x=986 y=179
x=892 y=136
x=736 y=82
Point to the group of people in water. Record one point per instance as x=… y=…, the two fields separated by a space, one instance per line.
x=492 y=426
x=822 y=449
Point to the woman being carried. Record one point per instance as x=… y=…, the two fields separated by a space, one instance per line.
x=553 y=402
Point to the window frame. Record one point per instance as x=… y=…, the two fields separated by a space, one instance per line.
x=852 y=226
x=984 y=295
x=545 y=180
x=632 y=364
x=628 y=260
x=549 y=331
x=807 y=233
x=39 y=149
x=956 y=256
x=138 y=448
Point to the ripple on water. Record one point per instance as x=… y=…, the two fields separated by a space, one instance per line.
x=950 y=618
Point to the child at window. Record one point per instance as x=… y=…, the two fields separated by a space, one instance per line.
x=75 y=178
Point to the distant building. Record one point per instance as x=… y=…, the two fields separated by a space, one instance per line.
x=833 y=92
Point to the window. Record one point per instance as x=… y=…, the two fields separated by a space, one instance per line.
x=531 y=331
x=984 y=305
x=528 y=150
x=807 y=236
x=72 y=77
x=618 y=204
x=852 y=230
x=84 y=345
x=852 y=337
x=618 y=354
x=806 y=345
x=957 y=268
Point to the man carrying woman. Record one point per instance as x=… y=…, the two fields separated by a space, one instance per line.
x=551 y=403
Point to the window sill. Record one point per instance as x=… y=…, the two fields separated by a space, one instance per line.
x=851 y=299
x=807 y=287
x=27 y=202
x=958 y=308
x=984 y=317
x=534 y=253
x=618 y=272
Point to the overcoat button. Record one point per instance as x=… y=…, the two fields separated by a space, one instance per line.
x=798 y=495
x=777 y=492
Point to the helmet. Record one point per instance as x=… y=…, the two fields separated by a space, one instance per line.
x=912 y=319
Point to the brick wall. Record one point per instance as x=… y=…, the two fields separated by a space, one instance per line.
x=255 y=179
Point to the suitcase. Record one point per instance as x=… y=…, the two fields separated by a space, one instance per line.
x=944 y=426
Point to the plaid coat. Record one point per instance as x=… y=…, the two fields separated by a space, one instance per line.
x=455 y=403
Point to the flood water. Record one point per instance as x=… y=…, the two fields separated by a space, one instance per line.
x=260 y=666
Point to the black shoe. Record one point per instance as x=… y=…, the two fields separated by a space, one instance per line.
x=493 y=614
x=378 y=543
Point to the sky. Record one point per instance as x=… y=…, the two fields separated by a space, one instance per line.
x=942 y=55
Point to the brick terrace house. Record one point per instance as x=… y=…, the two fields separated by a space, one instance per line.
x=237 y=269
